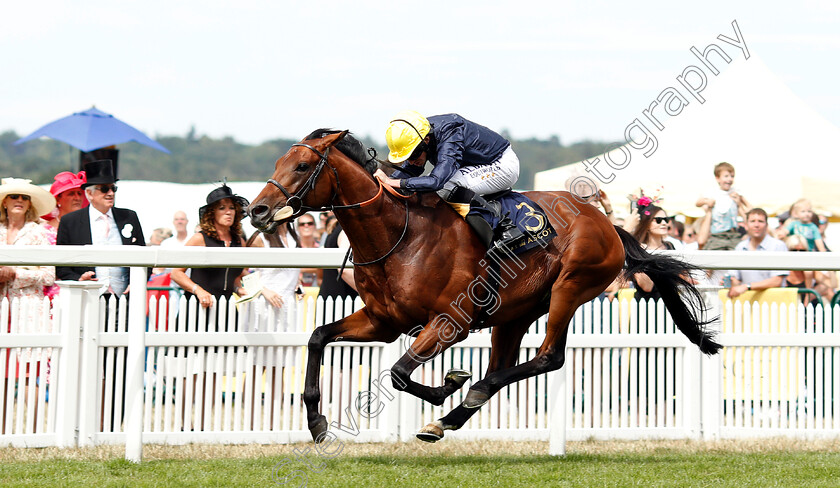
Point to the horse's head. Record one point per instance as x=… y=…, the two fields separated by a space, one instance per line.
x=299 y=179
x=303 y=179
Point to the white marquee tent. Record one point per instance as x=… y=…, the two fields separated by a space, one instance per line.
x=781 y=149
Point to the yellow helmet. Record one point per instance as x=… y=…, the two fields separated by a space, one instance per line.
x=404 y=134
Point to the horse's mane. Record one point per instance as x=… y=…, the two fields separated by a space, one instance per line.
x=350 y=147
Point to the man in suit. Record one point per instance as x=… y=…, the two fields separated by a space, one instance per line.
x=102 y=224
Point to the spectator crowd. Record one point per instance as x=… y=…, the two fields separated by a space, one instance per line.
x=729 y=222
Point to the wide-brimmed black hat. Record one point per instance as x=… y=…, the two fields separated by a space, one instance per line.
x=221 y=193
x=100 y=172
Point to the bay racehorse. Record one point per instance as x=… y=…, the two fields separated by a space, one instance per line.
x=421 y=270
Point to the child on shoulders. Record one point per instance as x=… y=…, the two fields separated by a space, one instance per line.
x=726 y=204
x=799 y=224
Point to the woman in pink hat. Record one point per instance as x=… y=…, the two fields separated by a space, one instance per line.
x=69 y=196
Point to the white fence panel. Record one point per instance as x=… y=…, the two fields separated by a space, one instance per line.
x=236 y=375
x=781 y=371
x=29 y=351
x=637 y=390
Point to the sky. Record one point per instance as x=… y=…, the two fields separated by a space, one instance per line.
x=259 y=70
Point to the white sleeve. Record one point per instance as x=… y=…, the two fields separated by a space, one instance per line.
x=343 y=241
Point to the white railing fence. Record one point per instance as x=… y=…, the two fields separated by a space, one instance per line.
x=236 y=376
x=91 y=376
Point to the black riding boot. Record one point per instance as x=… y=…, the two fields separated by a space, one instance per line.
x=463 y=196
x=507 y=233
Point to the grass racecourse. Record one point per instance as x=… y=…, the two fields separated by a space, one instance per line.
x=773 y=462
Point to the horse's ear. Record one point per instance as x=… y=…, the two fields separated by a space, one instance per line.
x=333 y=139
x=341 y=136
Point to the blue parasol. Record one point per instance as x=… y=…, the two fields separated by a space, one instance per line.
x=92 y=129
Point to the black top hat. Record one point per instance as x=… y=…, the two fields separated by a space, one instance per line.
x=100 y=172
x=221 y=193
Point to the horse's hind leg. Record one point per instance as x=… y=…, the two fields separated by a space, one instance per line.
x=504 y=352
x=551 y=356
x=356 y=327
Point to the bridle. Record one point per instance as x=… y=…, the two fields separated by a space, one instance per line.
x=295 y=201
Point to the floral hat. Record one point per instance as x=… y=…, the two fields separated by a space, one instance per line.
x=67 y=181
x=643 y=201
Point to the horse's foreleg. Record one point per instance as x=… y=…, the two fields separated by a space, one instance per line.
x=435 y=338
x=356 y=327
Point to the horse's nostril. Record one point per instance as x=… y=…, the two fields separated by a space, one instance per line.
x=259 y=210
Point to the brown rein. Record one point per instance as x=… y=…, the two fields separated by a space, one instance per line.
x=382 y=186
x=392 y=191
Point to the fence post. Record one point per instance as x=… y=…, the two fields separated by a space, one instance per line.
x=90 y=378
x=71 y=309
x=409 y=405
x=711 y=376
x=390 y=423
x=557 y=412
x=693 y=390
x=134 y=362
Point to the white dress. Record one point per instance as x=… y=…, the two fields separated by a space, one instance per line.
x=282 y=281
x=263 y=317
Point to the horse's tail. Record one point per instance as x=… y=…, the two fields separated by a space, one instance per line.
x=668 y=275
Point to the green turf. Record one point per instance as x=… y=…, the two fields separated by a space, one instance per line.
x=809 y=469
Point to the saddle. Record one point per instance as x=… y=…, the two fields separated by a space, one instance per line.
x=505 y=219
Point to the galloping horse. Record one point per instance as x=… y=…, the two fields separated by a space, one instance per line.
x=418 y=263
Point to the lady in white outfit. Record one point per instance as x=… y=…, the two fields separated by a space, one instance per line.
x=278 y=284
x=275 y=311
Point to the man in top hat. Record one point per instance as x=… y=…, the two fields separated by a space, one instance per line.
x=102 y=224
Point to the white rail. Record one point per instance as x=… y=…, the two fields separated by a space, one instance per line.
x=332 y=258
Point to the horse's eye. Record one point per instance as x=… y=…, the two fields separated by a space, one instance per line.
x=302 y=168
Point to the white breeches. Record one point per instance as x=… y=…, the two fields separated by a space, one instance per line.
x=489 y=178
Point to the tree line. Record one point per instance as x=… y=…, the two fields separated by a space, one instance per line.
x=202 y=159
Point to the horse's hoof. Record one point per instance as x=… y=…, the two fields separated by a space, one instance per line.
x=317 y=428
x=475 y=399
x=431 y=433
x=457 y=376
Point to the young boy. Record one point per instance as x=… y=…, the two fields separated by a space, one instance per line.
x=800 y=224
x=726 y=204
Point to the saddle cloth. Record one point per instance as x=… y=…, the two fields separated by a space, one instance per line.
x=525 y=213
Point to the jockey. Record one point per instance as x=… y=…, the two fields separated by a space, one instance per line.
x=469 y=161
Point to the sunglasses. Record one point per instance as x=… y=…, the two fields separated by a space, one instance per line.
x=303 y=224
x=662 y=220
x=798 y=250
x=106 y=188
x=418 y=151
x=15 y=196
